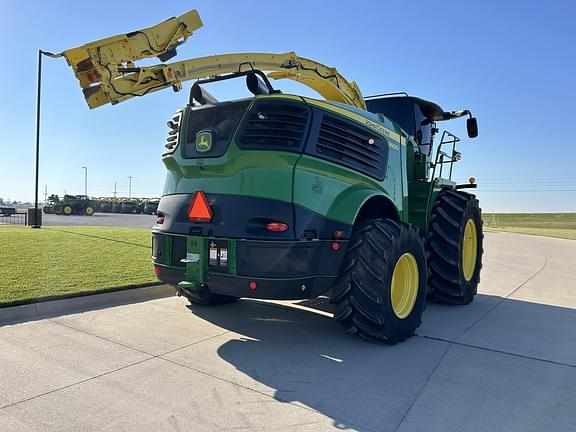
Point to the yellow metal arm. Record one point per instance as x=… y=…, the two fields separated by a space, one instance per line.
x=99 y=61
x=107 y=72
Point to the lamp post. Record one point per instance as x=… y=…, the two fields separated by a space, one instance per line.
x=37 y=223
x=130 y=186
x=85 y=180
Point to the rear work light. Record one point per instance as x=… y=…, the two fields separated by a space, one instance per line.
x=277 y=226
x=199 y=210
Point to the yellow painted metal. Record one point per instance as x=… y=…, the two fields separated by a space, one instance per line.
x=469 y=250
x=91 y=60
x=67 y=210
x=107 y=73
x=404 y=286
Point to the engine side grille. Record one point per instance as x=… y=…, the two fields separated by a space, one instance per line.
x=352 y=146
x=275 y=125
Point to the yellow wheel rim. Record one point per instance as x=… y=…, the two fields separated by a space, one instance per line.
x=404 y=285
x=67 y=210
x=469 y=250
x=89 y=211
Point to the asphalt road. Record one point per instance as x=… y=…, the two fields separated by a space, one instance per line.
x=506 y=362
x=101 y=219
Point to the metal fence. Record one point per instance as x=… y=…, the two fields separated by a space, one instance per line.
x=14 y=219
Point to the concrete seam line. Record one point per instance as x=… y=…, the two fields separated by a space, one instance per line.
x=141 y=351
x=276 y=398
x=75 y=383
x=423 y=386
x=523 y=356
x=204 y=340
x=151 y=357
x=499 y=302
x=53 y=321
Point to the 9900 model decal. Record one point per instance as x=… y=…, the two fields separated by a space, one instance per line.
x=382 y=130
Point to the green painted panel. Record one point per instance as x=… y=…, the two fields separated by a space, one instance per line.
x=338 y=192
x=197 y=259
x=232 y=262
x=256 y=173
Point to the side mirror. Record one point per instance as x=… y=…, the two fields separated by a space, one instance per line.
x=472 y=127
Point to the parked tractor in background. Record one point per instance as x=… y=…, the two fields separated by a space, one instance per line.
x=281 y=196
x=104 y=205
x=132 y=206
x=52 y=205
x=70 y=205
x=7 y=211
x=151 y=206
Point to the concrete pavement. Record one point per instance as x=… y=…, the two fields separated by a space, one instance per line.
x=507 y=362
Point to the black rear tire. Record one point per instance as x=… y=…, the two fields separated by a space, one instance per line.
x=362 y=292
x=451 y=213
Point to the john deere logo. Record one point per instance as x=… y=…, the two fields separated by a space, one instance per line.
x=203 y=141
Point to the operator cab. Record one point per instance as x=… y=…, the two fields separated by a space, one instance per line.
x=416 y=116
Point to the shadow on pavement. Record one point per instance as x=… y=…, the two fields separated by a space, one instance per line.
x=305 y=358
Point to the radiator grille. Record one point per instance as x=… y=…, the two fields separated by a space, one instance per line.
x=352 y=146
x=274 y=125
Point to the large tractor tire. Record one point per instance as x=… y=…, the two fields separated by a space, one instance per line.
x=381 y=289
x=89 y=211
x=455 y=240
x=58 y=209
x=67 y=210
x=202 y=296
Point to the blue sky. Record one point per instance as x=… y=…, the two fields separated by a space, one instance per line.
x=512 y=63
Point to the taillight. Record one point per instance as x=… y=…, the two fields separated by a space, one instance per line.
x=199 y=210
x=338 y=234
x=277 y=226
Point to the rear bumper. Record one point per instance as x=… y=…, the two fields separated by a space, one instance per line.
x=240 y=286
x=282 y=270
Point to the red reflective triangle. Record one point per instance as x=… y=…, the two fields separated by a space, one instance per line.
x=199 y=210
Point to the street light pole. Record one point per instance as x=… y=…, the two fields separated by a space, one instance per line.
x=130 y=186
x=37 y=223
x=85 y=180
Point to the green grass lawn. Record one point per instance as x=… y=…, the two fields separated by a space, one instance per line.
x=63 y=261
x=561 y=225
